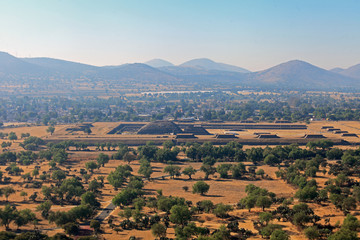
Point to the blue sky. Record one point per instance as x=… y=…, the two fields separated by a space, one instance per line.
x=252 y=34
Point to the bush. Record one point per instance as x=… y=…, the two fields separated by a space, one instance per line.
x=279 y=234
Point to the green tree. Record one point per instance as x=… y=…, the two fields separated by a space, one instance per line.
x=221 y=210
x=7 y=191
x=102 y=159
x=344 y=234
x=223 y=170
x=44 y=208
x=172 y=170
x=23 y=194
x=91 y=166
x=208 y=170
x=90 y=199
x=180 y=214
x=279 y=234
x=58 y=175
x=12 y=136
x=95 y=224
x=7 y=215
x=145 y=168
x=158 y=230
x=189 y=171
x=50 y=130
x=312 y=233
x=263 y=202
x=201 y=187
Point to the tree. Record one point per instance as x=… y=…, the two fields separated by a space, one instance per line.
x=87 y=130
x=145 y=168
x=102 y=159
x=255 y=155
x=221 y=234
x=95 y=224
x=348 y=204
x=344 y=234
x=221 y=210
x=223 y=170
x=58 y=175
x=248 y=202
x=265 y=217
x=279 y=234
x=334 y=153
x=94 y=185
x=91 y=166
x=90 y=199
x=7 y=215
x=263 y=202
x=307 y=193
x=71 y=228
x=271 y=160
x=24 y=217
x=116 y=178
x=208 y=170
x=189 y=171
x=312 y=233
x=7 y=191
x=126 y=213
x=50 y=130
x=129 y=157
x=44 y=208
x=172 y=170
x=351 y=223
x=237 y=171
x=201 y=187
x=158 y=230
x=260 y=172
x=23 y=194
x=12 y=136
x=125 y=197
x=35 y=172
x=205 y=205
x=180 y=214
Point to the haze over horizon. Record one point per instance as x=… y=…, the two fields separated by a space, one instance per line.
x=250 y=34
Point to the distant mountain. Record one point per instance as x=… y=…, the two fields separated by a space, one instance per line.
x=336 y=70
x=156 y=63
x=204 y=76
x=302 y=75
x=208 y=64
x=47 y=74
x=136 y=72
x=353 y=71
x=61 y=65
x=10 y=65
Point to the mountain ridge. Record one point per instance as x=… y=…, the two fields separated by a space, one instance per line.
x=295 y=74
x=209 y=64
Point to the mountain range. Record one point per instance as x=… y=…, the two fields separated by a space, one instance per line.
x=196 y=73
x=353 y=71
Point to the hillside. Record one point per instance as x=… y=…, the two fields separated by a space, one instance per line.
x=54 y=74
x=207 y=64
x=156 y=63
x=353 y=71
x=61 y=65
x=301 y=75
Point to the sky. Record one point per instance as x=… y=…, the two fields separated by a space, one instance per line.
x=254 y=34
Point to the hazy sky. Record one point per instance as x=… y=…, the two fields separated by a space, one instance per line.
x=252 y=34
